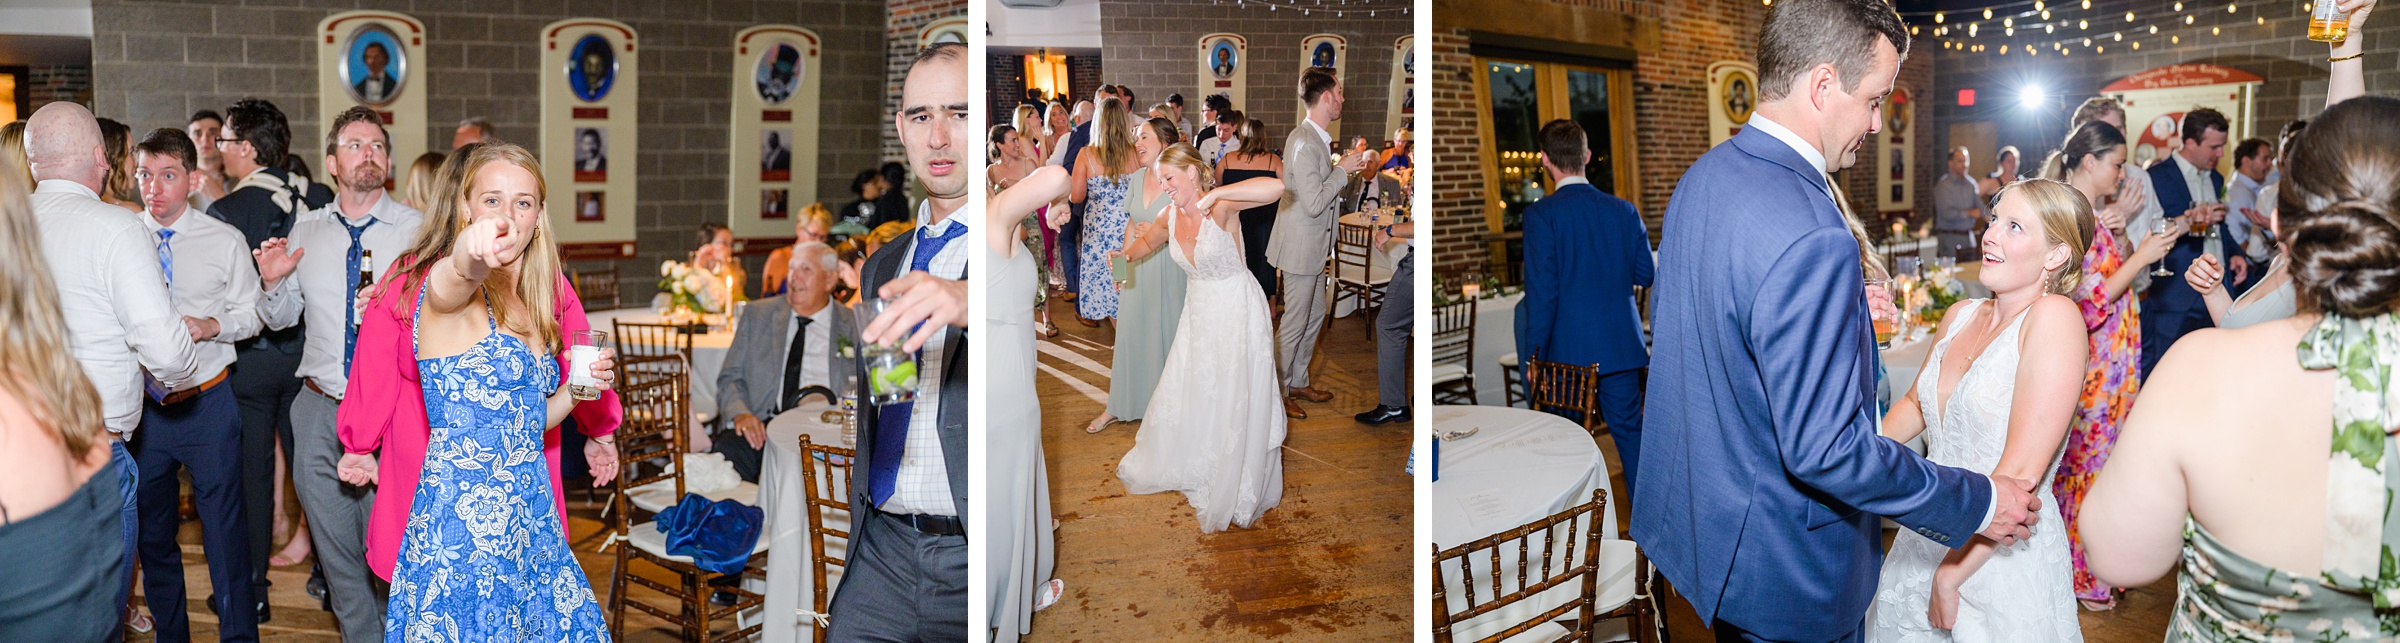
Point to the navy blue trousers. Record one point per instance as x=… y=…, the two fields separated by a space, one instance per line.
x=202 y=435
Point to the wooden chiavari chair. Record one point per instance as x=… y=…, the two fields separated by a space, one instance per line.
x=650 y=447
x=598 y=289
x=827 y=478
x=1611 y=575
x=1352 y=276
x=1454 y=353
x=1566 y=387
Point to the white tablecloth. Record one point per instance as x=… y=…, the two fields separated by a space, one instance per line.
x=1520 y=466
x=1379 y=264
x=1495 y=335
x=782 y=496
x=708 y=353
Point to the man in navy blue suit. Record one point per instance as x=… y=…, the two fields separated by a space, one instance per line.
x=1585 y=250
x=2187 y=183
x=1766 y=483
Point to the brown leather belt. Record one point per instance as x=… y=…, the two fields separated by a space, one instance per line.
x=311 y=383
x=186 y=395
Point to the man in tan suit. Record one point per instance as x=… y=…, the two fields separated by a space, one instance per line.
x=1303 y=236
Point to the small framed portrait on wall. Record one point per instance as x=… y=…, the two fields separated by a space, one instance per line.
x=589 y=207
x=775 y=204
x=374 y=65
x=591 y=155
x=592 y=68
x=1222 y=58
x=775 y=155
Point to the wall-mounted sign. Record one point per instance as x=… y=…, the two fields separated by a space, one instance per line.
x=1895 y=191
x=2156 y=100
x=1401 y=101
x=590 y=85
x=1732 y=96
x=371 y=58
x=1324 y=50
x=773 y=161
x=1223 y=57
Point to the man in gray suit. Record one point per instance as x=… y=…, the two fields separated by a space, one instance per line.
x=907 y=578
x=779 y=351
x=1303 y=236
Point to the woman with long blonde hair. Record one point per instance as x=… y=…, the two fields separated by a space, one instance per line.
x=1103 y=176
x=54 y=500
x=1214 y=428
x=476 y=317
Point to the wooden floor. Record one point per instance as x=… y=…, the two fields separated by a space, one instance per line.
x=1332 y=563
x=297 y=617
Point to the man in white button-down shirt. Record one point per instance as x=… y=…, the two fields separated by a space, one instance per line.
x=312 y=277
x=196 y=428
x=907 y=579
x=110 y=288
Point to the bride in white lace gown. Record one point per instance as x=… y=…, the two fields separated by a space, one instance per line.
x=1996 y=396
x=1214 y=428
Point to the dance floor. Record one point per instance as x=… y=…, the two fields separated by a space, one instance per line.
x=1331 y=563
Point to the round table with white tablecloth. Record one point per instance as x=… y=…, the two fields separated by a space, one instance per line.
x=783 y=496
x=1518 y=467
x=1495 y=336
x=708 y=353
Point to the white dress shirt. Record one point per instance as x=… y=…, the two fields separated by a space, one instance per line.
x=2196 y=182
x=1817 y=159
x=1215 y=148
x=1324 y=135
x=318 y=288
x=215 y=278
x=820 y=339
x=923 y=483
x=114 y=299
x=2242 y=193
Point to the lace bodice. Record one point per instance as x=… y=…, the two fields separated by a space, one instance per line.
x=1216 y=255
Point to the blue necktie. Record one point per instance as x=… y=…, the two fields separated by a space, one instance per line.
x=166 y=259
x=350 y=295
x=891 y=421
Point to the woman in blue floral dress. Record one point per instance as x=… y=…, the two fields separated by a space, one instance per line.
x=481 y=558
x=1103 y=176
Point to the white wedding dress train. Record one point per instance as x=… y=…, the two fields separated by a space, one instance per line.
x=2025 y=592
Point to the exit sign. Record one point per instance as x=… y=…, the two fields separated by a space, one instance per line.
x=1966 y=98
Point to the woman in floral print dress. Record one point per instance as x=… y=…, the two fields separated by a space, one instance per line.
x=2093 y=161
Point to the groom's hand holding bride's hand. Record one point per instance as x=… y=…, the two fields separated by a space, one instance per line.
x=2014 y=510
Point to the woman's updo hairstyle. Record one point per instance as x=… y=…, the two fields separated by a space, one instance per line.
x=2339 y=206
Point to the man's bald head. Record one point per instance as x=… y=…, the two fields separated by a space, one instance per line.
x=62 y=141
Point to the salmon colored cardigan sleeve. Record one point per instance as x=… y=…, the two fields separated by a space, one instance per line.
x=383 y=411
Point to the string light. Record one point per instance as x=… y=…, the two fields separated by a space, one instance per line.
x=2012 y=31
x=2087 y=4
x=2175 y=40
x=2120 y=36
x=2045 y=15
x=2100 y=49
x=2008 y=22
x=2179 y=7
x=2137 y=45
x=2214 y=31
x=2083 y=24
x=2037 y=5
x=2262 y=21
x=2154 y=30
x=2087 y=42
x=1971 y=29
x=2230 y=8
x=2049 y=28
x=1937 y=17
x=1987 y=13
x=2187 y=20
x=2129 y=16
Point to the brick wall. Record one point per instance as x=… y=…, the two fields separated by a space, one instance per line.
x=154 y=63
x=2278 y=51
x=906 y=17
x=1670 y=92
x=1151 y=45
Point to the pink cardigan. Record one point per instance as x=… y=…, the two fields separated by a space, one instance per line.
x=385 y=409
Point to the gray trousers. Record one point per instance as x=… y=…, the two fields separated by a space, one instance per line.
x=902 y=585
x=1304 y=310
x=1392 y=332
x=337 y=519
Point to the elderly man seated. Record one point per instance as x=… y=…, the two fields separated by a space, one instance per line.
x=778 y=351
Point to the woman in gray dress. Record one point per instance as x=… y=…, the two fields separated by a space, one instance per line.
x=1019 y=547
x=1152 y=301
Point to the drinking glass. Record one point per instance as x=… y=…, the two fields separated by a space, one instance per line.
x=584 y=349
x=891 y=372
x=2162 y=226
x=1884 y=327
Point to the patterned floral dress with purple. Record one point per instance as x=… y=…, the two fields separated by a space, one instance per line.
x=2111 y=378
x=481 y=560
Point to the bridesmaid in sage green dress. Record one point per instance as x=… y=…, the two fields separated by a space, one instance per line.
x=1152 y=302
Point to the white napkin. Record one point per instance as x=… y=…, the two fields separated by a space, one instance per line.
x=708 y=472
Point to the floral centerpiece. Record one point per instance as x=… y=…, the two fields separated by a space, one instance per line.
x=1933 y=295
x=685 y=291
